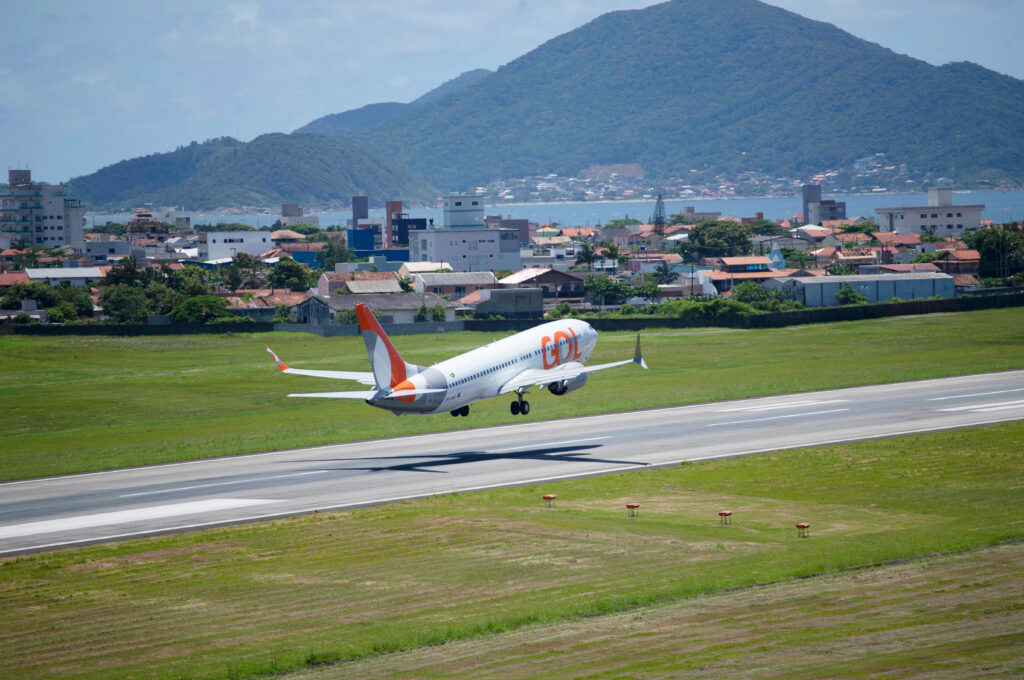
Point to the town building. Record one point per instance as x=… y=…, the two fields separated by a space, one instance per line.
x=392 y=308
x=465 y=241
x=817 y=210
x=292 y=214
x=454 y=285
x=76 y=277
x=225 y=245
x=40 y=214
x=820 y=291
x=338 y=283
x=552 y=282
x=939 y=218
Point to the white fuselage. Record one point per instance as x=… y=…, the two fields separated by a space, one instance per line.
x=481 y=373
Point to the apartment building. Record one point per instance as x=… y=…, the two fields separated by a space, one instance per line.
x=40 y=214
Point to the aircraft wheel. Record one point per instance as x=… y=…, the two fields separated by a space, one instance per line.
x=464 y=411
x=456 y=413
x=524 y=408
x=515 y=408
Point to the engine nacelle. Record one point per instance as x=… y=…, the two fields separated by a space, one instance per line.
x=566 y=386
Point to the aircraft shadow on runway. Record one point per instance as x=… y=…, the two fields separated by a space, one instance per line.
x=425 y=463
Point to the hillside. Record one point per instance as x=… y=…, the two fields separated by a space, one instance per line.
x=713 y=86
x=356 y=120
x=271 y=169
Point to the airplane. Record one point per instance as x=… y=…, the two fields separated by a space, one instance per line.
x=550 y=355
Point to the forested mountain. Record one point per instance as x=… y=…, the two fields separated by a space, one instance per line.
x=355 y=120
x=271 y=169
x=715 y=86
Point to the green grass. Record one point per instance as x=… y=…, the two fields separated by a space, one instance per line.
x=73 y=404
x=257 y=599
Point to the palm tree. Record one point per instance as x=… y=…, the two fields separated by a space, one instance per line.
x=585 y=255
x=663 y=274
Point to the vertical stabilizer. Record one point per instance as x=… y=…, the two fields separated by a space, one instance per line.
x=389 y=369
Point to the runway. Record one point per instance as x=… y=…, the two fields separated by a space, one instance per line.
x=58 y=512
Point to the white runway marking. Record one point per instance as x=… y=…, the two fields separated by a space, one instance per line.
x=125 y=516
x=788 y=404
x=981 y=408
x=537 y=446
x=206 y=486
x=791 y=415
x=976 y=394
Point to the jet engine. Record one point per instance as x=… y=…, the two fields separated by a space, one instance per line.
x=566 y=386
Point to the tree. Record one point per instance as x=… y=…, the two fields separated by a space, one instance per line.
x=719 y=239
x=848 y=296
x=585 y=255
x=648 y=291
x=606 y=289
x=437 y=312
x=663 y=274
x=233 y=277
x=46 y=296
x=658 y=218
x=162 y=298
x=200 y=309
x=841 y=269
x=289 y=274
x=190 y=281
x=749 y=291
x=124 y=303
x=126 y=272
x=332 y=253
x=1001 y=250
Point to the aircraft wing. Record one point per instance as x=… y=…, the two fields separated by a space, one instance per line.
x=540 y=378
x=364 y=377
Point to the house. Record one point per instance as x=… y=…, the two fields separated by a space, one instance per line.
x=454 y=285
x=331 y=283
x=959 y=261
x=392 y=308
x=552 y=282
x=78 y=277
x=410 y=269
x=511 y=303
x=730 y=271
x=8 y=279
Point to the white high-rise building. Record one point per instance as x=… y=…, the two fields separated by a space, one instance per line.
x=39 y=214
x=940 y=217
x=465 y=241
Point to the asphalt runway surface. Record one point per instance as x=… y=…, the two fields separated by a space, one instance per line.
x=56 y=512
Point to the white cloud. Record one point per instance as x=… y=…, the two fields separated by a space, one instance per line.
x=91 y=79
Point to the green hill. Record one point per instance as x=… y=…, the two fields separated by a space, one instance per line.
x=356 y=120
x=271 y=169
x=714 y=86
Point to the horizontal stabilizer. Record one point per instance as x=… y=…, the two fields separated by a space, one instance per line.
x=367 y=394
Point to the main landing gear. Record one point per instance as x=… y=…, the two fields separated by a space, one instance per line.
x=520 y=407
x=461 y=411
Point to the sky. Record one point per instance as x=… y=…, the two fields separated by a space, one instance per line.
x=84 y=84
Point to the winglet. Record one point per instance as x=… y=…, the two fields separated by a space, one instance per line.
x=280 y=364
x=637 y=357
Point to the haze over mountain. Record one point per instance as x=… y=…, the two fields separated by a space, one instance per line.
x=269 y=170
x=714 y=86
x=349 y=122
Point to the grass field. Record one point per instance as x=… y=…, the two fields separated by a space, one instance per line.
x=489 y=570
x=73 y=404
x=951 y=617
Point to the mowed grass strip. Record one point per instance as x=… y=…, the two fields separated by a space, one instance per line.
x=75 y=404
x=330 y=587
x=949 y=617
